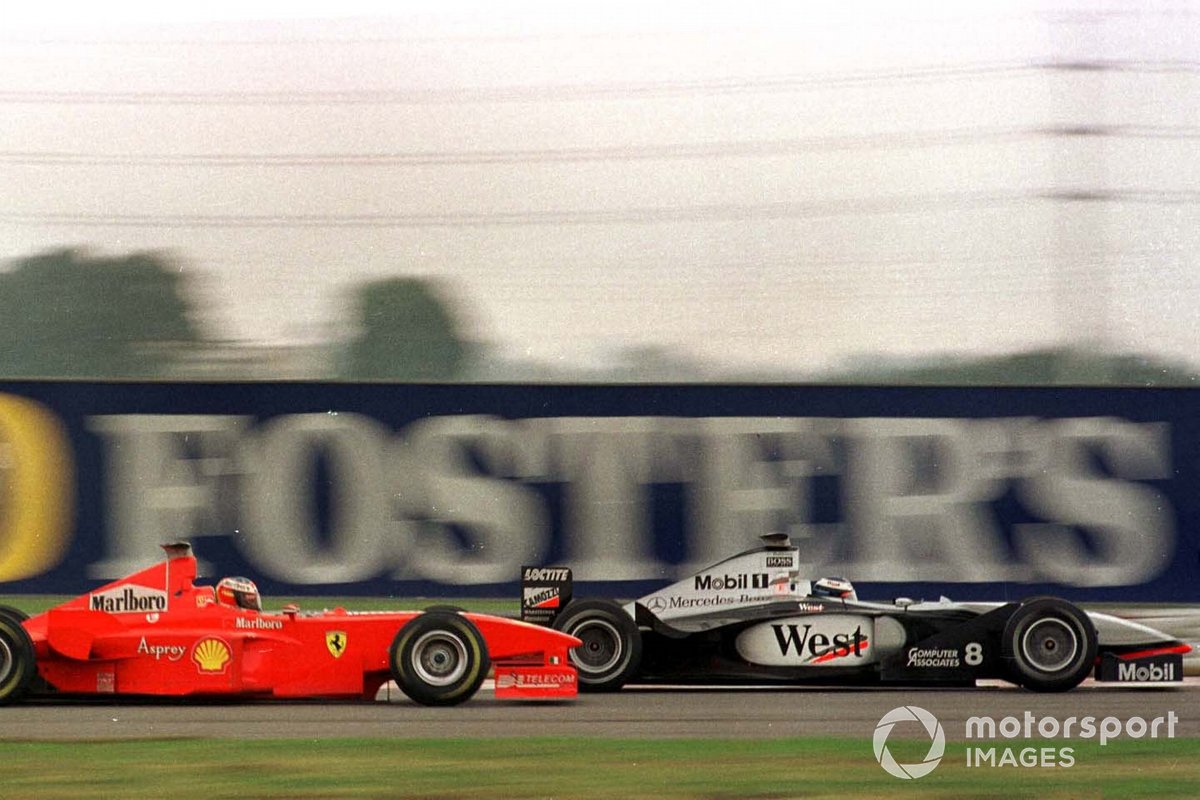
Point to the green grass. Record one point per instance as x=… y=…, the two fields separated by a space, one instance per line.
x=550 y=768
x=36 y=603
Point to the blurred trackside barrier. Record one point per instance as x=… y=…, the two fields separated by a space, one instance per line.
x=428 y=490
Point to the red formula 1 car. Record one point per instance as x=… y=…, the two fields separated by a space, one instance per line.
x=157 y=633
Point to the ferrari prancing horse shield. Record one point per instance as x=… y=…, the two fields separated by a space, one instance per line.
x=336 y=642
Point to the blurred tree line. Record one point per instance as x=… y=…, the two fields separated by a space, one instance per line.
x=1044 y=367
x=408 y=331
x=67 y=314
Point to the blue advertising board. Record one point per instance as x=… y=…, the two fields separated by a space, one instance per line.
x=436 y=490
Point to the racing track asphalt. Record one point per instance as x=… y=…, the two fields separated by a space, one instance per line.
x=635 y=712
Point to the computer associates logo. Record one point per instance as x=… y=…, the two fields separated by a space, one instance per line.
x=937 y=742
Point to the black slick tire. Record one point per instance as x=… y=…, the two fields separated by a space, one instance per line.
x=17 y=667
x=1049 y=645
x=439 y=659
x=611 y=651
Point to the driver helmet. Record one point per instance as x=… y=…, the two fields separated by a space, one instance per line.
x=834 y=587
x=240 y=593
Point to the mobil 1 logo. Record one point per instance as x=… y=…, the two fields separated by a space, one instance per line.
x=1162 y=668
x=731 y=583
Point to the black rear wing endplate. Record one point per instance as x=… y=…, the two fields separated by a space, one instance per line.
x=545 y=592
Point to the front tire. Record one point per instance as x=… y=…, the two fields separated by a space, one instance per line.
x=17 y=668
x=439 y=659
x=14 y=614
x=1049 y=645
x=611 y=651
x=448 y=609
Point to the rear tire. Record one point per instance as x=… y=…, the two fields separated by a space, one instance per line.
x=439 y=659
x=1049 y=645
x=612 y=644
x=17 y=667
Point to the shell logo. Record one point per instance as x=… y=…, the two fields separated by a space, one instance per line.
x=211 y=655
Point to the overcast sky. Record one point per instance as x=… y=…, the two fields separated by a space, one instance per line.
x=755 y=185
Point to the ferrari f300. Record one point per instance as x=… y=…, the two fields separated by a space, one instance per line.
x=159 y=633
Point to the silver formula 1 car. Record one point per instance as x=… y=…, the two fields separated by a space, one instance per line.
x=753 y=619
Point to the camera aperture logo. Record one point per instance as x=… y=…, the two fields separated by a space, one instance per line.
x=1028 y=741
x=937 y=742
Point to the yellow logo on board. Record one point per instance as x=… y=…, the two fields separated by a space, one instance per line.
x=36 y=488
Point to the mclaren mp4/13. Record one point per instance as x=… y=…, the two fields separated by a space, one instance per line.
x=752 y=618
x=158 y=633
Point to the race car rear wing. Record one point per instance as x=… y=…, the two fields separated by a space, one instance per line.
x=545 y=591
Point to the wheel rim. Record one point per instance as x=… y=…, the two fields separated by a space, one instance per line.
x=1050 y=645
x=6 y=660
x=601 y=647
x=439 y=658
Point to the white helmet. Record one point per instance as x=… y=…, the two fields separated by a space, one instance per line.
x=834 y=587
